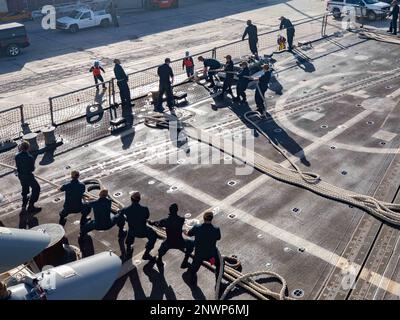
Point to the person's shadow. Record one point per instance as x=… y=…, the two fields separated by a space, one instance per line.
x=303 y=62
x=280 y=137
x=160 y=287
x=197 y=294
x=27 y=220
x=86 y=246
x=240 y=109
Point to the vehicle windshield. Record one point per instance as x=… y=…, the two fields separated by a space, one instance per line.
x=370 y=1
x=75 y=14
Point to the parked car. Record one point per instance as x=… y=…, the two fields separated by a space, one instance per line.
x=82 y=19
x=15 y=16
x=161 y=4
x=371 y=9
x=13 y=37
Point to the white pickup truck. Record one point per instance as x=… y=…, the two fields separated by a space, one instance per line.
x=82 y=19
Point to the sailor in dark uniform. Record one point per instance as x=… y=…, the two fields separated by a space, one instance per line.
x=262 y=87
x=205 y=242
x=25 y=164
x=229 y=75
x=251 y=31
x=173 y=226
x=166 y=80
x=395 y=16
x=104 y=218
x=74 y=191
x=243 y=82
x=122 y=83
x=287 y=24
x=210 y=69
x=137 y=216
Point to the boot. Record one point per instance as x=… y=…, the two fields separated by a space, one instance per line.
x=185 y=263
x=159 y=261
x=147 y=255
x=33 y=209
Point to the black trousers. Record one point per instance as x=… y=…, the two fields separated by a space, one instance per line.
x=241 y=91
x=187 y=245
x=253 y=47
x=227 y=87
x=124 y=93
x=290 y=37
x=165 y=88
x=115 y=219
x=260 y=94
x=198 y=260
x=100 y=79
x=29 y=183
x=83 y=209
x=148 y=233
x=210 y=77
x=393 y=25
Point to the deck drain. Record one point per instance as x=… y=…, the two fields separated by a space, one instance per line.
x=296 y=210
x=172 y=189
x=67 y=167
x=56 y=200
x=151 y=182
x=370 y=123
x=231 y=183
x=317 y=109
x=86 y=145
x=181 y=161
x=344 y=172
x=324 y=126
x=298 y=293
x=232 y=216
x=388 y=87
x=260 y=236
x=382 y=143
x=333 y=147
x=301 y=250
x=118 y=194
x=359 y=105
x=277 y=130
x=268 y=265
x=188 y=215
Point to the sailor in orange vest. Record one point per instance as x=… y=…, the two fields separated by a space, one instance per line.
x=96 y=70
x=189 y=64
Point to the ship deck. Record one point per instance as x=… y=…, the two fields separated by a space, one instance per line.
x=337 y=115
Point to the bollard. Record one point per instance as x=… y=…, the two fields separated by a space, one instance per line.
x=49 y=135
x=32 y=139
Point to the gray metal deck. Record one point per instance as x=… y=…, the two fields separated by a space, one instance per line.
x=340 y=109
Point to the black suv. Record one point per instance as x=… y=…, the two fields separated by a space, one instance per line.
x=13 y=37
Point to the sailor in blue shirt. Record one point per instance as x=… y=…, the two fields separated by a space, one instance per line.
x=74 y=191
x=173 y=226
x=210 y=69
x=287 y=24
x=205 y=242
x=25 y=164
x=243 y=82
x=137 y=215
x=262 y=87
x=104 y=218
